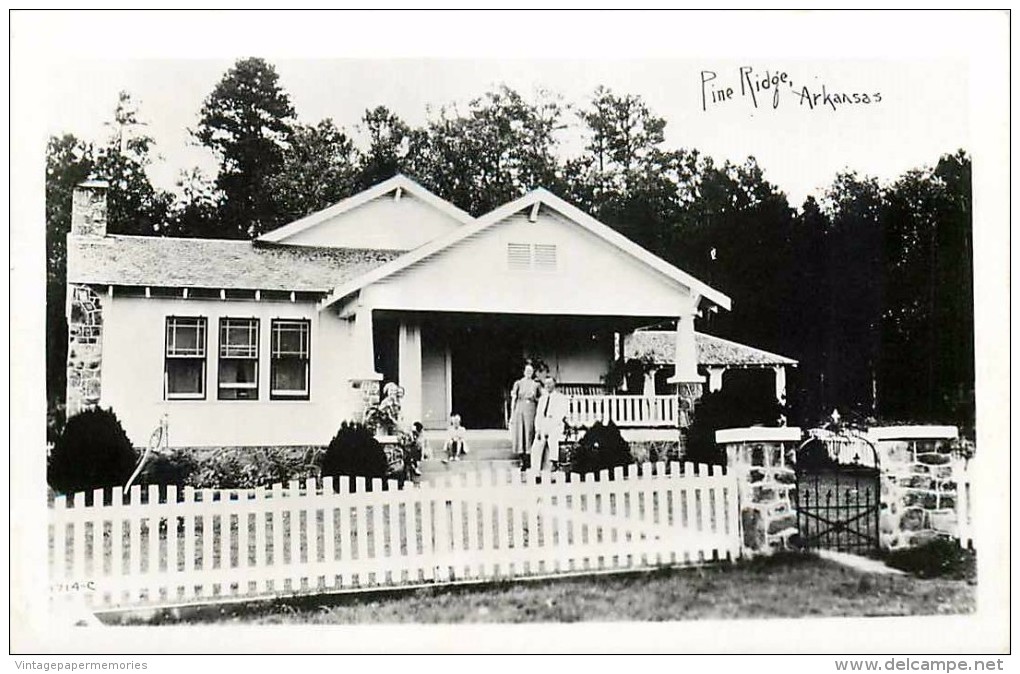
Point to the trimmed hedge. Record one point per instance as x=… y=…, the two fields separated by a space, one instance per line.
x=354 y=451
x=92 y=452
x=601 y=447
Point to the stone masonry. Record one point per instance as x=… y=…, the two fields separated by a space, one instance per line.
x=84 y=349
x=763 y=458
x=923 y=482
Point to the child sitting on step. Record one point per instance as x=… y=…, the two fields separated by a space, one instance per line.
x=455 y=446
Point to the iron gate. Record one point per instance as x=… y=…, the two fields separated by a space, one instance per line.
x=837 y=496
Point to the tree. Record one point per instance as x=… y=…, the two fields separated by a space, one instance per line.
x=928 y=329
x=195 y=211
x=134 y=205
x=247 y=121
x=391 y=143
x=497 y=150
x=319 y=169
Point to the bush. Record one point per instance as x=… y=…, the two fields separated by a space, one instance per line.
x=175 y=468
x=354 y=451
x=726 y=408
x=92 y=452
x=940 y=558
x=250 y=467
x=601 y=447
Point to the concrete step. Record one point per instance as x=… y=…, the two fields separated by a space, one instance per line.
x=434 y=468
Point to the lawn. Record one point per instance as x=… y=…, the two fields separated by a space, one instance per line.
x=782 y=586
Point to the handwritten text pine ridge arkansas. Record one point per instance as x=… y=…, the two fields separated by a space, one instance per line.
x=761 y=88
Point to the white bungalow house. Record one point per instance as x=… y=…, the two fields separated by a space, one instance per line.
x=276 y=341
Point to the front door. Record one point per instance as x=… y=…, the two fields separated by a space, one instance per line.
x=435 y=383
x=483 y=364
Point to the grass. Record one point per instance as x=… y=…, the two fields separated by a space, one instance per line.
x=782 y=586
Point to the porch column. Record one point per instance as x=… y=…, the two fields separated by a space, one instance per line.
x=363 y=355
x=409 y=370
x=715 y=378
x=780 y=371
x=686 y=357
x=650 y=383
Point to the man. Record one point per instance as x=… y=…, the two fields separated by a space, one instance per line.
x=550 y=419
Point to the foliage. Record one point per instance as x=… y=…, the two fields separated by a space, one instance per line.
x=134 y=205
x=939 y=558
x=732 y=407
x=354 y=451
x=92 y=452
x=247 y=121
x=318 y=170
x=601 y=447
x=245 y=467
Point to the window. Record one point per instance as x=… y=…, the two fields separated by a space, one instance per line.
x=184 y=368
x=289 y=360
x=239 y=359
x=526 y=256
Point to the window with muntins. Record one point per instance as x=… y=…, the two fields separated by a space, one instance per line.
x=184 y=362
x=239 y=359
x=290 y=353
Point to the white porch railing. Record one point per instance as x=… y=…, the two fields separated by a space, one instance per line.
x=626 y=411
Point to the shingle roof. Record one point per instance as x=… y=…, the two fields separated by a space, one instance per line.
x=660 y=346
x=214 y=263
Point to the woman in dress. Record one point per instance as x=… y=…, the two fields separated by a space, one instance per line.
x=523 y=405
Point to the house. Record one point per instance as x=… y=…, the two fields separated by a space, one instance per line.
x=276 y=341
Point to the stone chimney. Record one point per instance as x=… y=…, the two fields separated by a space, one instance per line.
x=88 y=208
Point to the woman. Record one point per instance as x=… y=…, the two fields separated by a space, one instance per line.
x=523 y=404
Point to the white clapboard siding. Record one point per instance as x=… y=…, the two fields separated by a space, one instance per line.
x=164 y=546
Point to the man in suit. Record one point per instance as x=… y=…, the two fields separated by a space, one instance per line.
x=550 y=420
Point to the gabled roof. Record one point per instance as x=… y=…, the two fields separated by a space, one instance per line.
x=214 y=263
x=660 y=347
x=398 y=181
x=538 y=196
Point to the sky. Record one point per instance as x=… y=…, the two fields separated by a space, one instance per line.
x=799 y=138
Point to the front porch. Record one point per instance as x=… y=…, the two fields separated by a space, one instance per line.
x=466 y=363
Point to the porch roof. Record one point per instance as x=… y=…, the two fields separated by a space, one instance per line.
x=214 y=263
x=660 y=346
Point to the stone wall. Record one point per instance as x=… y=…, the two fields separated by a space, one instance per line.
x=84 y=349
x=923 y=482
x=763 y=460
x=364 y=393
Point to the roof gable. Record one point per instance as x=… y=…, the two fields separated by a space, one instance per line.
x=397 y=214
x=533 y=200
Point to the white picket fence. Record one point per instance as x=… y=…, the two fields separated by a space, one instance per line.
x=625 y=411
x=161 y=547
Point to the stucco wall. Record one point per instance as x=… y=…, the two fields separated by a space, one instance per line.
x=133 y=365
x=380 y=223
x=593 y=277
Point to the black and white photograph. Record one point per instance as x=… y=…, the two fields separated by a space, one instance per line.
x=512 y=332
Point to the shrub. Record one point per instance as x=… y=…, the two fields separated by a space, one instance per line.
x=354 y=451
x=726 y=408
x=940 y=558
x=174 y=468
x=92 y=452
x=250 y=467
x=601 y=447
